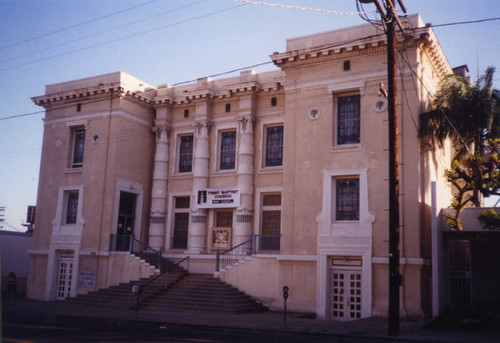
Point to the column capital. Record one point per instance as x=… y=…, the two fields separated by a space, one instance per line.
x=162 y=132
x=247 y=123
x=200 y=124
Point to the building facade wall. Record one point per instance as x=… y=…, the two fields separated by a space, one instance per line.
x=166 y=145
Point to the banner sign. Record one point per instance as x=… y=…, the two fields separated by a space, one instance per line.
x=218 y=197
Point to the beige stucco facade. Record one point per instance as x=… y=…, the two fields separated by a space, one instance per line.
x=265 y=137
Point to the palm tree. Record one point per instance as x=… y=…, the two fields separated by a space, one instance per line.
x=468 y=115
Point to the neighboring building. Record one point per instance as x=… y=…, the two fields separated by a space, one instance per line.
x=296 y=158
x=14 y=257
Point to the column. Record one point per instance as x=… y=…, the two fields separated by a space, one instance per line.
x=159 y=190
x=244 y=213
x=198 y=227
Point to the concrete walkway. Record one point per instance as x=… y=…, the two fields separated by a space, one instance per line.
x=14 y=310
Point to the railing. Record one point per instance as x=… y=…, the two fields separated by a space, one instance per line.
x=266 y=244
x=138 y=289
x=269 y=244
x=233 y=255
x=131 y=244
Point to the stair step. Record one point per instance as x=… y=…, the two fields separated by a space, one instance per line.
x=184 y=293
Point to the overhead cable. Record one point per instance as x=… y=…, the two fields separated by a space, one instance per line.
x=300 y=7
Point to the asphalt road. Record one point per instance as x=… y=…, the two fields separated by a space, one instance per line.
x=57 y=330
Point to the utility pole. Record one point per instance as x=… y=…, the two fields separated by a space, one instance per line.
x=391 y=18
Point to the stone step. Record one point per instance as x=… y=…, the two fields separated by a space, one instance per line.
x=184 y=293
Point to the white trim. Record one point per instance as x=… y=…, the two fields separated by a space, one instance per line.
x=264 y=124
x=258 y=200
x=84 y=118
x=167 y=243
x=177 y=142
x=217 y=148
x=344 y=239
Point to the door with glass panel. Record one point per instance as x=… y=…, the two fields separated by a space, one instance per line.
x=64 y=278
x=345 y=294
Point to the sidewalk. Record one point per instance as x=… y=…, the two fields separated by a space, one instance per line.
x=410 y=331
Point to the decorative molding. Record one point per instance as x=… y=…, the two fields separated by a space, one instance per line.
x=244 y=210
x=199 y=125
x=162 y=132
x=157 y=220
x=199 y=219
x=244 y=218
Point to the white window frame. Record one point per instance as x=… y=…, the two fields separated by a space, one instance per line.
x=219 y=149
x=73 y=128
x=171 y=216
x=334 y=198
x=336 y=121
x=178 y=139
x=264 y=128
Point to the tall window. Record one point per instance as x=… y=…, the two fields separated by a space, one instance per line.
x=71 y=202
x=186 y=154
x=348 y=120
x=274 y=146
x=78 y=144
x=270 y=222
x=227 y=150
x=347 y=199
x=181 y=223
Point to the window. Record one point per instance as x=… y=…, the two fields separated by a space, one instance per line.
x=348 y=120
x=274 y=101
x=181 y=223
x=347 y=65
x=223 y=218
x=270 y=222
x=227 y=150
x=185 y=154
x=78 y=144
x=274 y=146
x=346 y=199
x=228 y=108
x=186 y=113
x=71 y=203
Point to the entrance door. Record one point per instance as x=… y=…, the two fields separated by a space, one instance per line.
x=181 y=223
x=346 y=294
x=64 y=279
x=126 y=220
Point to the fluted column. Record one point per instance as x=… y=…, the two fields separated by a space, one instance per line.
x=244 y=213
x=159 y=190
x=198 y=227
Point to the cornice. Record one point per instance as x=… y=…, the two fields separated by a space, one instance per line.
x=76 y=94
x=422 y=37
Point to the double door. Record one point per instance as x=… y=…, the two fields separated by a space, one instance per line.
x=345 y=294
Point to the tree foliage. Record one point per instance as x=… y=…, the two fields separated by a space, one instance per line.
x=468 y=115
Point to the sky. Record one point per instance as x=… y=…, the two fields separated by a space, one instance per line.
x=44 y=42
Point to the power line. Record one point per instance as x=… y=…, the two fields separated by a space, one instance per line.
x=124 y=37
x=77 y=25
x=100 y=32
x=467 y=22
x=21 y=115
x=299 y=7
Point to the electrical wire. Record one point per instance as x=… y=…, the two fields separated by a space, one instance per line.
x=128 y=24
x=77 y=25
x=124 y=37
x=261 y=3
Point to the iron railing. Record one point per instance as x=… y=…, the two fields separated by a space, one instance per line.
x=131 y=244
x=140 y=288
x=268 y=244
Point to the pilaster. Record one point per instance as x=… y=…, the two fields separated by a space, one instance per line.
x=159 y=190
x=198 y=227
x=244 y=213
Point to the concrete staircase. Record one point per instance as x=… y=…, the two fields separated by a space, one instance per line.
x=184 y=292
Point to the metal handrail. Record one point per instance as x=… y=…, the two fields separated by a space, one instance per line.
x=257 y=243
x=141 y=286
x=240 y=253
x=128 y=244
